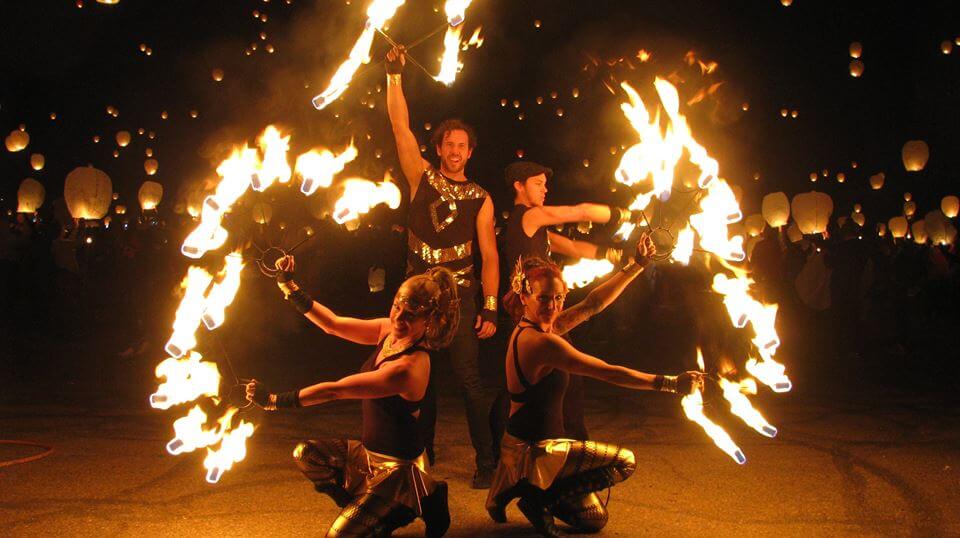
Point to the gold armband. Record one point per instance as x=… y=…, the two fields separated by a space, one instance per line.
x=490 y=302
x=393 y=78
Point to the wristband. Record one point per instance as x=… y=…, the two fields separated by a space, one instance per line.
x=669 y=384
x=288 y=399
x=488 y=315
x=393 y=79
x=632 y=268
x=490 y=302
x=301 y=300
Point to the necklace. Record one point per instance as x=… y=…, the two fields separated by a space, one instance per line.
x=390 y=346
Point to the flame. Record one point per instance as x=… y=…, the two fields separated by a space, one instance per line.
x=223 y=292
x=232 y=449
x=187 y=379
x=585 y=271
x=189 y=312
x=274 y=166
x=191 y=433
x=450 y=63
x=476 y=40
x=643 y=55
x=770 y=373
x=361 y=195
x=655 y=155
x=378 y=14
x=740 y=405
x=693 y=407
x=456 y=11
x=684 y=247
x=317 y=167
x=719 y=208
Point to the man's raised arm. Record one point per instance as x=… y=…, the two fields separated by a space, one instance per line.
x=411 y=163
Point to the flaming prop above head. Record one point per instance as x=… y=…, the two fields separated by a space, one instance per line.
x=317 y=167
x=585 y=271
x=361 y=195
x=274 y=166
x=450 y=63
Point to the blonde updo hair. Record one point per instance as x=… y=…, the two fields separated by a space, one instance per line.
x=526 y=271
x=434 y=294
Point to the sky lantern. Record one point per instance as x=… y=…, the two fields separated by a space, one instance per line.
x=776 y=209
x=18 y=139
x=841 y=177
x=876 y=181
x=88 y=192
x=858 y=218
x=946 y=47
x=262 y=213
x=786 y=3
x=950 y=205
x=30 y=196
x=793 y=233
x=857 y=208
x=217 y=74
x=37 y=161
x=915 y=154
x=108 y=2
x=120 y=209
x=754 y=225
x=938 y=228
x=856 y=49
x=811 y=211
x=919 y=230
x=909 y=208
x=898 y=227
x=856 y=68
x=123 y=138
x=151 y=166
x=907 y=197
x=150 y=194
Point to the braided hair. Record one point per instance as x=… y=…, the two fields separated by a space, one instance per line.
x=434 y=293
x=527 y=270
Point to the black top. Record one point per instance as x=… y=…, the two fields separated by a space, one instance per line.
x=541 y=416
x=390 y=425
x=442 y=223
x=516 y=243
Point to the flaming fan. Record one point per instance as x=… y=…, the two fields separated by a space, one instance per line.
x=213 y=420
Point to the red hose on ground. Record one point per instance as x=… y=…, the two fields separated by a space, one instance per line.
x=47 y=451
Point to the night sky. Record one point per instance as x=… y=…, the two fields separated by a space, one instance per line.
x=76 y=62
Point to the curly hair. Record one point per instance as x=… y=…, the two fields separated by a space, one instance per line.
x=526 y=271
x=435 y=294
x=453 y=124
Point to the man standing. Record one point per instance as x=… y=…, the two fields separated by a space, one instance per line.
x=446 y=212
x=525 y=236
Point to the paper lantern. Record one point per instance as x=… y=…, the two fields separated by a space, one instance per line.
x=857 y=208
x=859 y=219
x=881 y=229
x=754 y=225
x=915 y=154
x=841 y=177
x=150 y=194
x=856 y=68
x=123 y=138
x=898 y=227
x=776 y=209
x=811 y=211
x=919 y=230
x=793 y=233
x=946 y=46
x=151 y=166
x=856 y=49
x=88 y=193
x=120 y=209
x=217 y=74
x=841 y=220
x=37 y=161
x=950 y=205
x=30 y=196
x=262 y=213
x=376 y=279
x=876 y=181
x=909 y=208
x=907 y=197
x=17 y=140
x=938 y=227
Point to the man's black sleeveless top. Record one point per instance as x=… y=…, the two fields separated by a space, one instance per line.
x=442 y=224
x=517 y=244
x=541 y=416
x=389 y=424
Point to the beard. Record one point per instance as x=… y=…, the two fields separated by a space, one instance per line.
x=454 y=168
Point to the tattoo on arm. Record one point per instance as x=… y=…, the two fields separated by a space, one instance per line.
x=577 y=314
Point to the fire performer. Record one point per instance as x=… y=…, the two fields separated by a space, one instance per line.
x=446 y=211
x=554 y=476
x=382 y=481
x=525 y=236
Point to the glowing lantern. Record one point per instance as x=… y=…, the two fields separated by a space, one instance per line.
x=217 y=74
x=907 y=197
x=149 y=195
x=262 y=213
x=946 y=47
x=909 y=208
x=915 y=154
x=754 y=225
x=856 y=49
x=37 y=161
x=776 y=209
x=919 y=230
x=123 y=138
x=30 y=196
x=856 y=68
x=811 y=211
x=898 y=227
x=18 y=139
x=786 y=3
x=108 y=2
x=150 y=166
x=876 y=181
x=88 y=193
x=938 y=228
x=858 y=218
x=120 y=209
x=857 y=208
x=950 y=205
x=841 y=177
x=793 y=233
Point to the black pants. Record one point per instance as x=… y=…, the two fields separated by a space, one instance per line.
x=462 y=355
